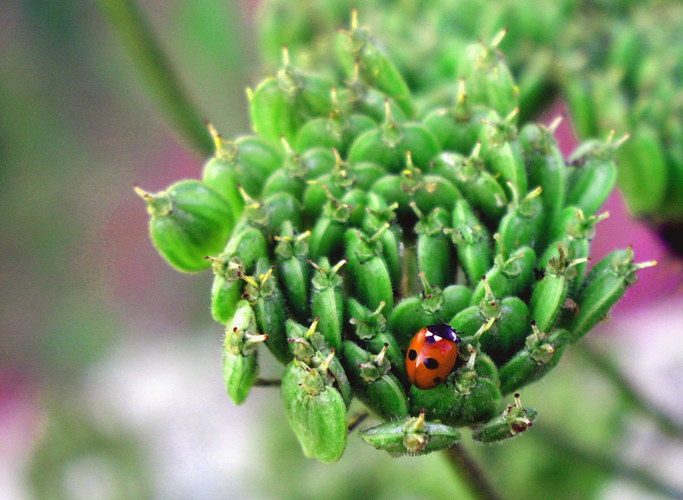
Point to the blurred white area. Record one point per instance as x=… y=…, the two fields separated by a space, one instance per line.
x=649 y=349
x=171 y=392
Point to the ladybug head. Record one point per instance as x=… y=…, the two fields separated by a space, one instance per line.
x=444 y=331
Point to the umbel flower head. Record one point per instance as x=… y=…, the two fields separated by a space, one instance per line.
x=429 y=263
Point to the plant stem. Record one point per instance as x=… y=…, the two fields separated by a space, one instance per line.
x=470 y=472
x=157 y=73
x=356 y=420
x=607 y=463
x=267 y=382
x=611 y=372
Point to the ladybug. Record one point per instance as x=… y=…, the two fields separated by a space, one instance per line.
x=431 y=355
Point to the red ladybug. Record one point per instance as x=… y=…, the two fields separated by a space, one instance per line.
x=431 y=355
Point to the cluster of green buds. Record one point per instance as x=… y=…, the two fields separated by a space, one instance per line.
x=635 y=86
x=350 y=222
x=426 y=41
x=616 y=64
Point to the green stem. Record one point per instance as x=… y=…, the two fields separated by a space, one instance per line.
x=630 y=394
x=470 y=472
x=157 y=73
x=267 y=382
x=607 y=463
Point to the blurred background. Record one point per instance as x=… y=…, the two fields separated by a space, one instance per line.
x=110 y=370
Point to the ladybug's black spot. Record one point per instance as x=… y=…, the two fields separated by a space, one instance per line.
x=412 y=354
x=437 y=380
x=431 y=364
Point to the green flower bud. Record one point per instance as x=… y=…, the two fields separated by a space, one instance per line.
x=240 y=365
x=327 y=300
x=315 y=410
x=414 y=436
x=188 y=221
x=605 y=285
x=373 y=382
x=594 y=175
x=501 y=150
x=263 y=292
x=291 y=254
x=540 y=355
x=246 y=160
x=514 y=420
x=357 y=53
x=367 y=270
x=488 y=78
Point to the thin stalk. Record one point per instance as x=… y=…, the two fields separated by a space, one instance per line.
x=470 y=472
x=607 y=463
x=629 y=393
x=267 y=382
x=158 y=75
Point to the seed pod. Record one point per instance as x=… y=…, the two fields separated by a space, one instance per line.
x=367 y=270
x=541 y=354
x=594 y=175
x=414 y=436
x=244 y=248
x=523 y=222
x=269 y=214
x=246 y=160
x=370 y=328
x=328 y=232
x=316 y=411
x=466 y=399
x=327 y=300
x=188 y=221
x=310 y=346
x=343 y=178
x=575 y=244
x=431 y=307
x=433 y=248
x=365 y=174
x=545 y=168
x=380 y=215
x=226 y=288
x=501 y=150
x=576 y=90
x=240 y=365
x=272 y=111
x=364 y=99
x=457 y=128
x=291 y=254
x=514 y=420
x=488 y=78
x=373 y=383
x=499 y=327
x=472 y=241
x=510 y=274
x=357 y=53
x=508 y=332
x=337 y=131
x=264 y=295
x=602 y=290
x=550 y=293
x=388 y=143
x=480 y=404
x=643 y=172
x=290 y=177
x=427 y=191
x=279 y=106
x=468 y=174
x=316 y=195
